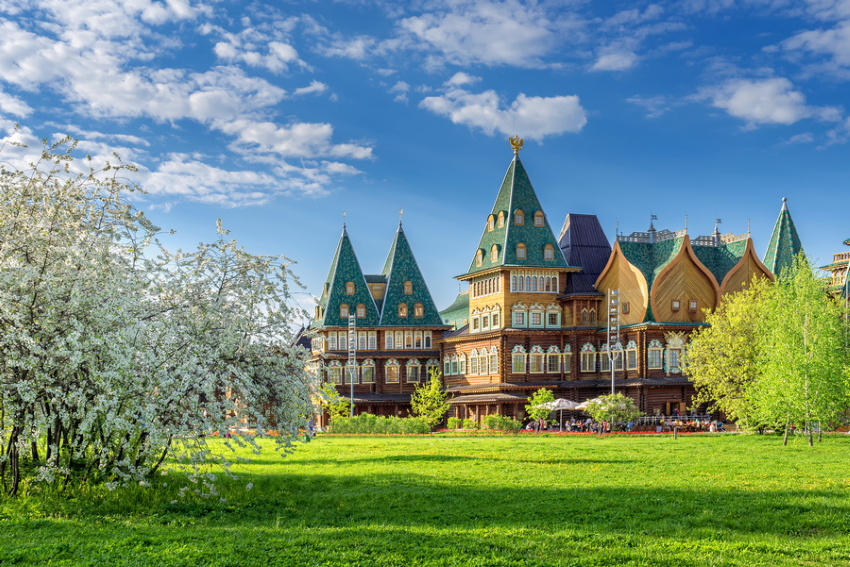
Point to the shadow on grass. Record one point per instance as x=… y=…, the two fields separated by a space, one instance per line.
x=441 y=459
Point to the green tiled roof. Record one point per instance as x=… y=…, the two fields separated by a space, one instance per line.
x=847 y=242
x=401 y=267
x=457 y=313
x=515 y=193
x=650 y=259
x=784 y=243
x=345 y=268
x=720 y=259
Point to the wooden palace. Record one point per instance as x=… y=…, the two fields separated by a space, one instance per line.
x=535 y=311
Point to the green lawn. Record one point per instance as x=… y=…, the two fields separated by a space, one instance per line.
x=513 y=500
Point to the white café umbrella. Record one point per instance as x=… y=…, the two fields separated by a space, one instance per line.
x=561 y=405
x=586 y=403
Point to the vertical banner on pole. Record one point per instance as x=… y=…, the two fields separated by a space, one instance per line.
x=352 y=357
x=613 y=330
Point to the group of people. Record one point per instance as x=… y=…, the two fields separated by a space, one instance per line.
x=644 y=424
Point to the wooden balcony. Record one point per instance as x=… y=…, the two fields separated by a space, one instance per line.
x=842 y=257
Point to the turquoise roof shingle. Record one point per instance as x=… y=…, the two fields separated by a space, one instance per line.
x=457 y=314
x=784 y=243
x=345 y=268
x=401 y=267
x=516 y=193
x=720 y=259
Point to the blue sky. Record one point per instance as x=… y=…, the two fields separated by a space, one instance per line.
x=278 y=117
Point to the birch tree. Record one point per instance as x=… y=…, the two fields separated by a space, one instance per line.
x=115 y=352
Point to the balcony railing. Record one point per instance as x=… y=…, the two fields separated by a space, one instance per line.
x=843 y=256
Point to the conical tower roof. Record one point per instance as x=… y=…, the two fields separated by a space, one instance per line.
x=346 y=268
x=784 y=243
x=517 y=194
x=401 y=267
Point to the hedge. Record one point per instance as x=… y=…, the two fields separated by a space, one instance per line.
x=378 y=424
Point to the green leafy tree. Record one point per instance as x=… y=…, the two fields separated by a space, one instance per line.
x=615 y=409
x=723 y=358
x=803 y=379
x=336 y=404
x=536 y=409
x=429 y=400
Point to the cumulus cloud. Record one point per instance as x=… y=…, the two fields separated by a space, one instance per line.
x=314 y=87
x=400 y=88
x=833 y=44
x=529 y=116
x=655 y=106
x=765 y=101
x=490 y=33
x=459 y=79
x=614 y=61
x=14 y=106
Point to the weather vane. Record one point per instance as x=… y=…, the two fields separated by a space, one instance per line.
x=516 y=144
x=343 y=219
x=400 y=212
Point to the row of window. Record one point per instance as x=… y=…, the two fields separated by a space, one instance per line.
x=487 y=286
x=418 y=310
x=481 y=363
x=368 y=340
x=413 y=371
x=408 y=288
x=540 y=363
x=536 y=319
x=519 y=219
x=521 y=253
x=528 y=282
x=485 y=322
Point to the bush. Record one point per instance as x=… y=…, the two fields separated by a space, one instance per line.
x=369 y=424
x=455 y=423
x=469 y=424
x=501 y=423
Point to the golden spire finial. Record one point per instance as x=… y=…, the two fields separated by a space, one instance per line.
x=516 y=144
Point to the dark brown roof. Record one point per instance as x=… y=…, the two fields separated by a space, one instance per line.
x=494 y=397
x=371 y=398
x=583 y=243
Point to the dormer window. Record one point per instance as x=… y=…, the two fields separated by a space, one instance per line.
x=494 y=253
x=519 y=217
x=343 y=310
x=538 y=218
x=418 y=310
x=361 y=311
x=408 y=288
x=548 y=252
x=402 y=309
x=520 y=251
x=349 y=288
x=479 y=258
x=501 y=219
x=491 y=223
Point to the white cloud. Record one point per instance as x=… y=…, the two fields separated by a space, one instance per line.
x=459 y=79
x=765 y=101
x=314 y=87
x=833 y=43
x=357 y=48
x=507 y=32
x=804 y=138
x=14 y=106
x=530 y=117
x=400 y=88
x=655 y=106
x=306 y=140
x=615 y=61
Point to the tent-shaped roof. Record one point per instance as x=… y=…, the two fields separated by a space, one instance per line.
x=784 y=243
x=399 y=268
x=516 y=193
x=345 y=268
x=583 y=243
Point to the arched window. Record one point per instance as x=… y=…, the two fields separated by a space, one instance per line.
x=548 y=284
x=408 y=288
x=402 y=309
x=538 y=218
x=494 y=360
x=491 y=223
x=513 y=283
x=343 y=310
x=519 y=217
x=418 y=310
x=593 y=316
x=521 y=283
x=548 y=252
x=454 y=364
x=533 y=283
x=494 y=253
x=584 y=316
x=361 y=311
x=501 y=219
x=349 y=288
x=479 y=258
x=527 y=283
x=520 y=251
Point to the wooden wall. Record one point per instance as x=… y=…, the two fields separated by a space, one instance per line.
x=620 y=274
x=684 y=279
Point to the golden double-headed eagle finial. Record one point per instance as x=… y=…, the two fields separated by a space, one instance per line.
x=516 y=144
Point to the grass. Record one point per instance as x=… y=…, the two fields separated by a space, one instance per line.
x=440 y=500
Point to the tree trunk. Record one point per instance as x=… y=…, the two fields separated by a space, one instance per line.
x=34 y=445
x=785 y=439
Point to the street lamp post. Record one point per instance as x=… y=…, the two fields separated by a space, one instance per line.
x=352 y=357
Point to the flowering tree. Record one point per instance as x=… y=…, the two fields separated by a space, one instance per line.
x=115 y=352
x=615 y=408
